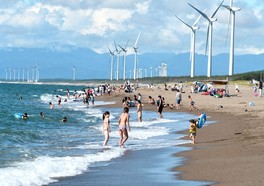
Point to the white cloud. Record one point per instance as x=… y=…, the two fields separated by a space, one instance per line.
x=98 y=22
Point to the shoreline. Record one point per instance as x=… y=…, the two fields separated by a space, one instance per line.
x=228 y=152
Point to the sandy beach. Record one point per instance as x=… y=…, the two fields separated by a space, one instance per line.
x=228 y=152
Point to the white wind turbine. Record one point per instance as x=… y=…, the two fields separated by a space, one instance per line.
x=232 y=11
x=14 y=74
x=125 y=51
x=192 y=50
x=136 y=59
x=10 y=74
x=112 y=54
x=209 y=36
x=6 y=73
x=37 y=73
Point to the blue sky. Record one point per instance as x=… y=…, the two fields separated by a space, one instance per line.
x=97 y=23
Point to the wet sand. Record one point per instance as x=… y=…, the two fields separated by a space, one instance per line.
x=229 y=152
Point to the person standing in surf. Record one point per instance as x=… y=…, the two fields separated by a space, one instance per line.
x=106 y=127
x=160 y=106
x=139 y=111
x=123 y=124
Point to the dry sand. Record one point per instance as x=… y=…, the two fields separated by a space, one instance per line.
x=229 y=152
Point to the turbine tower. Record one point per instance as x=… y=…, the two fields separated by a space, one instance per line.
x=232 y=11
x=74 y=73
x=117 y=62
x=192 y=50
x=112 y=63
x=23 y=74
x=209 y=36
x=136 y=59
x=125 y=51
x=14 y=74
x=10 y=74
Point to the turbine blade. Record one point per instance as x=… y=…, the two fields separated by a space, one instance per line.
x=110 y=51
x=196 y=21
x=231 y=3
x=115 y=47
x=207 y=38
x=184 y=22
x=126 y=44
x=137 y=39
x=122 y=48
x=217 y=9
x=200 y=12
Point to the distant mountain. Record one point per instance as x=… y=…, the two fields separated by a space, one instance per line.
x=57 y=62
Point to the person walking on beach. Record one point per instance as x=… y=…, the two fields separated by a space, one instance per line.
x=192 y=130
x=260 y=88
x=160 y=106
x=123 y=123
x=106 y=127
x=139 y=111
x=191 y=104
x=178 y=99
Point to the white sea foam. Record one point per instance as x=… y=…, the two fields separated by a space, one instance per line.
x=44 y=170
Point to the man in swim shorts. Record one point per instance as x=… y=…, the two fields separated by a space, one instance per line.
x=123 y=123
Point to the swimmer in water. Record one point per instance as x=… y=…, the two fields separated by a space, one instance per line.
x=51 y=105
x=25 y=116
x=64 y=119
x=41 y=114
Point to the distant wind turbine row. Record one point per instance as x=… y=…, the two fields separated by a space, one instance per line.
x=16 y=74
x=209 y=37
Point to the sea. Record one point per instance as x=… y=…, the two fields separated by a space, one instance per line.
x=41 y=150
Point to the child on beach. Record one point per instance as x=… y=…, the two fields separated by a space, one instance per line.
x=192 y=130
x=191 y=105
x=106 y=127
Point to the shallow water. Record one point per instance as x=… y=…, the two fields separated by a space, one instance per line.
x=38 y=150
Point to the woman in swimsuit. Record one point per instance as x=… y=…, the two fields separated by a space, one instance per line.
x=123 y=123
x=106 y=127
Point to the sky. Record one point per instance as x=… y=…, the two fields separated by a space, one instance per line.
x=95 y=24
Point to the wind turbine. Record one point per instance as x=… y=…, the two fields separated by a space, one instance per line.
x=136 y=59
x=18 y=74
x=232 y=11
x=10 y=74
x=74 y=73
x=6 y=73
x=209 y=35
x=28 y=74
x=14 y=74
x=192 y=50
x=37 y=73
x=112 y=62
x=33 y=71
x=125 y=51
